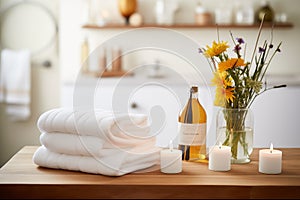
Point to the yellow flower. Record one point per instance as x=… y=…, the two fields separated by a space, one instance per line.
x=216 y=49
x=220 y=79
x=223 y=95
x=230 y=63
x=229 y=94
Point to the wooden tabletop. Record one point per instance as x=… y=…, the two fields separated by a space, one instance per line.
x=21 y=178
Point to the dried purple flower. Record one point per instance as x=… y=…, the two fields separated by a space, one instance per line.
x=278 y=50
x=237 y=48
x=200 y=50
x=261 y=50
x=240 y=40
x=271 y=46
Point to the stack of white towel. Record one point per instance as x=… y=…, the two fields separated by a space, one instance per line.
x=98 y=142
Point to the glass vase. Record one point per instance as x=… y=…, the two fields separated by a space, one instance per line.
x=235 y=129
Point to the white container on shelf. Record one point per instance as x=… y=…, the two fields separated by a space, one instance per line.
x=165 y=11
x=223 y=15
x=202 y=16
x=244 y=13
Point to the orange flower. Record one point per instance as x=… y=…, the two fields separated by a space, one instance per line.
x=230 y=63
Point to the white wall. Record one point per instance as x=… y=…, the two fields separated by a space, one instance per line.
x=45 y=81
x=72 y=33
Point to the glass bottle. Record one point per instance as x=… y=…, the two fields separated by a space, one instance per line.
x=85 y=55
x=116 y=55
x=192 y=129
x=102 y=60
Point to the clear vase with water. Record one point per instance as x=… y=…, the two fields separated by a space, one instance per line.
x=234 y=128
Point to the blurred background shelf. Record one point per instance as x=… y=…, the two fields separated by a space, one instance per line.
x=121 y=26
x=109 y=74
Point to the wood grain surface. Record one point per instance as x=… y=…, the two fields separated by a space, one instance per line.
x=21 y=178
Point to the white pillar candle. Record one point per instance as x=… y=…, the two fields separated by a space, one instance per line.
x=270 y=161
x=219 y=158
x=171 y=160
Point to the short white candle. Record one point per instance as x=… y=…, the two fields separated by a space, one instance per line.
x=270 y=161
x=219 y=158
x=171 y=160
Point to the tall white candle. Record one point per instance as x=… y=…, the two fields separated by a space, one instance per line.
x=171 y=160
x=219 y=158
x=270 y=161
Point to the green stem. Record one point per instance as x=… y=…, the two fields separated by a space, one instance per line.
x=235 y=130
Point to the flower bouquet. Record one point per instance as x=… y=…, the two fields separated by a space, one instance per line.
x=238 y=82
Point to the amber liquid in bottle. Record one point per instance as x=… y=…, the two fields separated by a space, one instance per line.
x=192 y=129
x=85 y=55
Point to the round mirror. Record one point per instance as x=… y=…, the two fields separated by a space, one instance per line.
x=27 y=26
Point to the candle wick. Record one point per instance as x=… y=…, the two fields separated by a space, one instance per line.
x=271 y=147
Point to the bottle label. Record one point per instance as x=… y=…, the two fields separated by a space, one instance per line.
x=192 y=134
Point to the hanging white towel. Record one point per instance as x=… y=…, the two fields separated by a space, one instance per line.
x=15 y=83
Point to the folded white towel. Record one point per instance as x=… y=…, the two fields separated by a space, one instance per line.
x=99 y=142
x=115 y=164
x=15 y=83
x=90 y=145
x=104 y=124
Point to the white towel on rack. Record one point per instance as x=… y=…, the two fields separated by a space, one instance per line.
x=15 y=83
